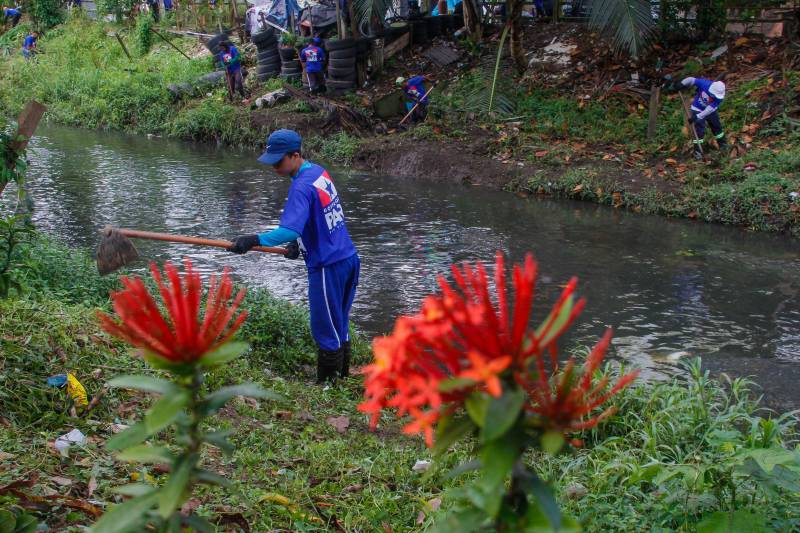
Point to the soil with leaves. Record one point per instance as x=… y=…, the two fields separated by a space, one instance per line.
x=690 y=454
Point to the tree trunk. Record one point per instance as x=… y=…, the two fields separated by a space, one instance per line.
x=514 y=9
x=472 y=20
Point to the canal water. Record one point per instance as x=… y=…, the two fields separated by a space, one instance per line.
x=671 y=289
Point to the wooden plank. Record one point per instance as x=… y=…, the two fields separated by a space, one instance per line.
x=655 y=97
x=395 y=46
x=27 y=123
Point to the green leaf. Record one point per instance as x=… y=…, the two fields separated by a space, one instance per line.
x=449 y=385
x=171 y=495
x=156 y=361
x=129 y=516
x=220 y=440
x=559 y=321
x=552 y=442
x=740 y=521
x=502 y=413
x=8 y=522
x=134 y=489
x=210 y=478
x=165 y=411
x=227 y=352
x=26 y=523
x=498 y=458
x=450 y=430
x=198 y=523
x=779 y=477
x=541 y=493
x=462 y=521
x=144 y=383
x=217 y=399
x=469 y=466
x=477 y=405
x=147 y=454
x=130 y=437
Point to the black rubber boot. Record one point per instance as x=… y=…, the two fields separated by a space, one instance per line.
x=722 y=142
x=346 y=351
x=329 y=364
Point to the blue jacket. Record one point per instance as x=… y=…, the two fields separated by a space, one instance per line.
x=313 y=57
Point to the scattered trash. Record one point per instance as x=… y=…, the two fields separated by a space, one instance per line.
x=575 y=491
x=75 y=388
x=431 y=506
x=422 y=465
x=63 y=442
x=750 y=167
x=272 y=99
x=719 y=52
x=794 y=195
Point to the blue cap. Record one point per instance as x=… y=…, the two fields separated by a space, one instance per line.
x=316 y=40
x=280 y=143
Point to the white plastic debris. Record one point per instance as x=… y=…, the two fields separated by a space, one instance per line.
x=421 y=465
x=63 y=442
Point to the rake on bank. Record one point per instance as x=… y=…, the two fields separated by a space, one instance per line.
x=116 y=249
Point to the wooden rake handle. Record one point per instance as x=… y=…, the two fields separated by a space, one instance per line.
x=153 y=236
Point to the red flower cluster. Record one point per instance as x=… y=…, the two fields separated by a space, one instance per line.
x=461 y=341
x=183 y=335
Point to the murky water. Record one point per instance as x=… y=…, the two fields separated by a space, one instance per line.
x=670 y=288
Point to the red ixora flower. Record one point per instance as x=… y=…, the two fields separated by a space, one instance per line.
x=461 y=342
x=182 y=335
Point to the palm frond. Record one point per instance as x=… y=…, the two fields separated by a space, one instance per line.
x=366 y=9
x=628 y=23
x=491 y=94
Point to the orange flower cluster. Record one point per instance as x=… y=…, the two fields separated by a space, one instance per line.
x=183 y=335
x=461 y=341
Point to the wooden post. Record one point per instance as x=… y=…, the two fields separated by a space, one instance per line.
x=26 y=125
x=353 y=22
x=655 y=98
x=377 y=56
x=169 y=43
x=123 y=47
x=339 y=21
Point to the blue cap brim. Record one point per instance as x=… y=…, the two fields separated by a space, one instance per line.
x=271 y=158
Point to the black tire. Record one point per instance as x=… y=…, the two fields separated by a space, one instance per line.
x=349 y=77
x=291 y=71
x=339 y=44
x=343 y=54
x=336 y=84
x=269 y=58
x=291 y=65
x=266 y=76
x=264 y=69
x=215 y=41
x=341 y=73
x=342 y=63
x=287 y=54
x=269 y=54
x=434 y=25
x=264 y=38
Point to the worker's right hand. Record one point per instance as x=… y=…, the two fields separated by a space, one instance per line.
x=243 y=244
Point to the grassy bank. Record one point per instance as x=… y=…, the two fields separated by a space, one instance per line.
x=86 y=80
x=677 y=455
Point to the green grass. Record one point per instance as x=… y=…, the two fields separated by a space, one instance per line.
x=663 y=461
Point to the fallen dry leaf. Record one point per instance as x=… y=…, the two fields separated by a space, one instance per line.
x=340 y=423
x=541 y=153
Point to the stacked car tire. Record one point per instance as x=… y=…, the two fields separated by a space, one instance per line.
x=290 y=64
x=269 y=59
x=419 y=31
x=341 y=64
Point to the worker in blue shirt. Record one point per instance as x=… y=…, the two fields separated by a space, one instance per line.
x=29 y=45
x=313 y=59
x=231 y=59
x=313 y=218
x=708 y=98
x=414 y=91
x=12 y=13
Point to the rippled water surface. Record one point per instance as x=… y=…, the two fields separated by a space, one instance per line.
x=670 y=288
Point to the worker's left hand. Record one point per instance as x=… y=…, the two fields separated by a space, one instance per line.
x=243 y=244
x=292 y=250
